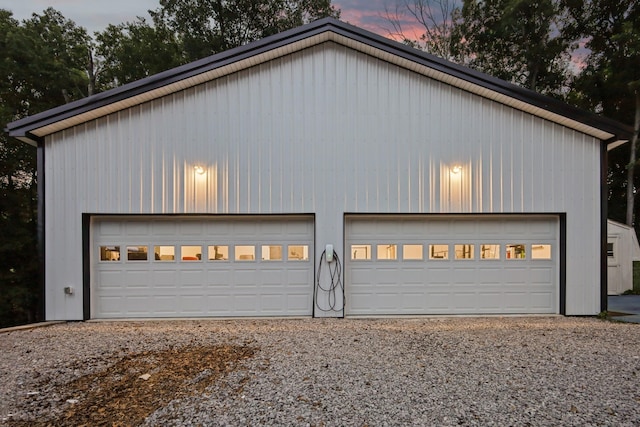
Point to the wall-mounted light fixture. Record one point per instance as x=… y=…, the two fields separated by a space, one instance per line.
x=199 y=170
x=456 y=169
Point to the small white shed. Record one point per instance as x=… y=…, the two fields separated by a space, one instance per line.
x=622 y=250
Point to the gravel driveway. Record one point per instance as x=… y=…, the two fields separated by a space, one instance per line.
x=364 y=372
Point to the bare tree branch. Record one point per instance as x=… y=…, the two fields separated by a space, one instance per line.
x=434 y=19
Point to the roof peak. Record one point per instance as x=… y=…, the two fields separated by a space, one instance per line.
x=31 y=129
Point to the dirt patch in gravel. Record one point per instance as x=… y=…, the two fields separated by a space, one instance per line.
x=130 y=390
x=536 y=371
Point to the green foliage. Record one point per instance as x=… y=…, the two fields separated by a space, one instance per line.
x=183 y=31
x=42 y=65
x=19 y=273
x=134 y=50
x=205 y=27
x=515 y=40
x=56 y=51
x=636 y=276
x=609 y=84
x=611 y=32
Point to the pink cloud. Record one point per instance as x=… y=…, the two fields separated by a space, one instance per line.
x=370 y=15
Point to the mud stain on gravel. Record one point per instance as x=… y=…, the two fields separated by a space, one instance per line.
x=133 y=388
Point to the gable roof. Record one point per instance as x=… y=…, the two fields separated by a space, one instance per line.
x=34 y=128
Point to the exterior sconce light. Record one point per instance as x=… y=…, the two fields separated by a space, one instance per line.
x=456 y=169
x=199 y=170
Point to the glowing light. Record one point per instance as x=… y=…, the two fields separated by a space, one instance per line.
x=199 y=170
x=456 y=169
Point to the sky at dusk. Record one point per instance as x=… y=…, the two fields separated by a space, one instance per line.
x=94 y=15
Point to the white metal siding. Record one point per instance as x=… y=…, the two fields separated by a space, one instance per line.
x=326 y=130
x=625 y=251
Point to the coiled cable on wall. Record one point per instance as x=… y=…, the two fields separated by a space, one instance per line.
x=335 y=285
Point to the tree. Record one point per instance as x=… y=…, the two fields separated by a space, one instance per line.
x=610 y=82
x=183 y=31
x=59 y=74
x=43 y=65
x=205 y=27
x=435 y=19
x=18 y=273
x=520 y=41
x=134 y=50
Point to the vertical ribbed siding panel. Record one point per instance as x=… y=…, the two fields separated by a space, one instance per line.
x=327 y=131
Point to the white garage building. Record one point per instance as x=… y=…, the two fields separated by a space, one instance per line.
x=213 y=189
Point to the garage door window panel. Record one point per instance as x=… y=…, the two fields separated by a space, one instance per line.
x=137 y=253
x=439 y=252
x=490 y=251
x=464 y=251
x=516 y=251
x=191 y=253
x=412 y=252
x=164 y=253
x=218 y=253
x=272 y=253
x=387 y=252
x=298 y=253
x=360 y=252
x=245 y=253
x=109 y=253
x=540 y=251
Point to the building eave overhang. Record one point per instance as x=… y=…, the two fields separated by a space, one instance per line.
x=33 y=128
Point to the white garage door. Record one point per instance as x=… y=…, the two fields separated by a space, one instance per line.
x=201 y=266
x=451 y=265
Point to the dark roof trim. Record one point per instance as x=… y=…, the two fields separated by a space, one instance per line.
x=34 y=138
x=489 y=82
x=22 y=127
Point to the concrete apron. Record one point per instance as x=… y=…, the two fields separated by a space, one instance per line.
x=627 y=304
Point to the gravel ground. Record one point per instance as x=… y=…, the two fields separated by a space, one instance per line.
x=353 y=372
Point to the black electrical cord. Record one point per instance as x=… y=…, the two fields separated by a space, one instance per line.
x=332 y=290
